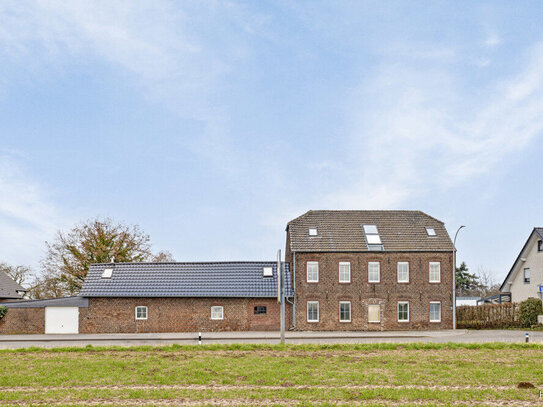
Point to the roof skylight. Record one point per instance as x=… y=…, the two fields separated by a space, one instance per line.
x=107 y=273
x=312 y=231
x=267 y=271
x=373 y=239
x=431 y=231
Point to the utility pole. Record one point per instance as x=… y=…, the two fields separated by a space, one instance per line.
x=281 y=294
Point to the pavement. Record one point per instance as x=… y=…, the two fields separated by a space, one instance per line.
x=294 y=337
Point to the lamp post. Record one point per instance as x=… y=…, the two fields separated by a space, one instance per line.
x=454 y=276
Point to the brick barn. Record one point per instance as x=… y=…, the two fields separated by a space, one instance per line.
x=344 y=270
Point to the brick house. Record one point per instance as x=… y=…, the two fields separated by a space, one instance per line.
x=370 y=270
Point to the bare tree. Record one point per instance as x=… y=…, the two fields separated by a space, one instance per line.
x=68 y=258
x=488 y=284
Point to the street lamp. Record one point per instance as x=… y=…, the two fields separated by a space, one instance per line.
x=454 y=276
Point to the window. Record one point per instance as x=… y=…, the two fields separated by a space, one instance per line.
x=344 y=272
x=430 y=232
x=373 y=239
x=540 y=245
x=312 y=231
x=374 y=313
x=312 y=272
x=312 y=311
x=435 y=272
x=141 y=312
x=260 y=310
x=344 y=311
x=107 y=273
x=403 y=311
x=217 y=312
x=403 y=272
x=267 y=271
x=526 y=275
x=374 y=272
x=435 y=311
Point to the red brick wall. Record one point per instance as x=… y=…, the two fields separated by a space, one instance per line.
x=329 y=292
x=23 y=321
x=112 y=315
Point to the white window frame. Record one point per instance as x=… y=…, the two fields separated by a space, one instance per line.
x=439 y=303
x=136 y=312
x=398 y=311
x=348 y=264
x=402 y=263
x=378 y=321
x=378 y=272
x=344 y=303
x=312 y=263
x=318 y=311
x=434 y=263
x=216 y=308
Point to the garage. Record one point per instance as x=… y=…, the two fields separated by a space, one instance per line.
x=61 y=320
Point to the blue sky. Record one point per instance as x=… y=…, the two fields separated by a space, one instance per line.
x=211 y=124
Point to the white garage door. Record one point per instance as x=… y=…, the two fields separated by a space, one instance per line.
x=61 y=320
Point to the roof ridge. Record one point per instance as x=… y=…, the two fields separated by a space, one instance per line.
x=187 y=262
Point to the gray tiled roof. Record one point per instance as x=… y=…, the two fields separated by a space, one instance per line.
x=539 y=231
x=221 y=279
x=8 y=287
x=342 y=231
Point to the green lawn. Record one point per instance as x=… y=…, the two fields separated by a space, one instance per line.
x=386 y=374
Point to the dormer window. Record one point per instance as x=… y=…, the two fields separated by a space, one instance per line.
x=107 y=273
x=312 y=231
x=373 y=239
x=430 y=232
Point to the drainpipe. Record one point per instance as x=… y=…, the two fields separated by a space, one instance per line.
x=294 y=289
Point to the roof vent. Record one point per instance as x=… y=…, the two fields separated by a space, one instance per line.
x=267 y=271
x=312 y=231
x=107 y=273
x=431 y=231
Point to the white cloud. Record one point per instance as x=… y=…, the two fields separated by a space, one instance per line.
x=27 y=216
x=416 y=129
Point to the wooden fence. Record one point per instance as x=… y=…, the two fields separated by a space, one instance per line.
x=488 y=316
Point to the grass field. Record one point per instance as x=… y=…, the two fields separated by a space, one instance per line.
x=378 y=374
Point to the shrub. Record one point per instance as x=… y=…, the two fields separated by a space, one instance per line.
x=529 y=310
x=3 y=311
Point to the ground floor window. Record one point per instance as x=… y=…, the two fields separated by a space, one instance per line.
x=435 y=311
x=344 y=311
x=217 y=312
x=141 y=312
x=374 y=313
x=403 y=311
x=312 y=311
x=260 y=309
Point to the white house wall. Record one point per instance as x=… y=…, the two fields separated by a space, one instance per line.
x=520 y=290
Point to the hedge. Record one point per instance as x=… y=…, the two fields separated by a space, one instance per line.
x=488 y=316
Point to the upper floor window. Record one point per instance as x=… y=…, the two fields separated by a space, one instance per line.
x=526 y=275
x=540 y=245
x=344 y=272
x=430 y=231
x=312 y=272
x=141 y=312
x=373 y=239
x=374 y=272
x=435 y=272
x=403 y=272
x=312 y=231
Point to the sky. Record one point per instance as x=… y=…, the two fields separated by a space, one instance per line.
x=211 y=124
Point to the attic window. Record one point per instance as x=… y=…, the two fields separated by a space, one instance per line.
x=107 y=273
x=312 y=231
x=431 y=231
x=540 y=245
x=267 y=272
x=373 y=239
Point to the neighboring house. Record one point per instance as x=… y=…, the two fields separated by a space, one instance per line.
x=370 y=270
x=161 y=297
x=472 y=301
x=526 y=275
x=9 y=289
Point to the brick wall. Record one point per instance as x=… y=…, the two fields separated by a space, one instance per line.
x=419 y=292
x=23 y=321
x=112 y=315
